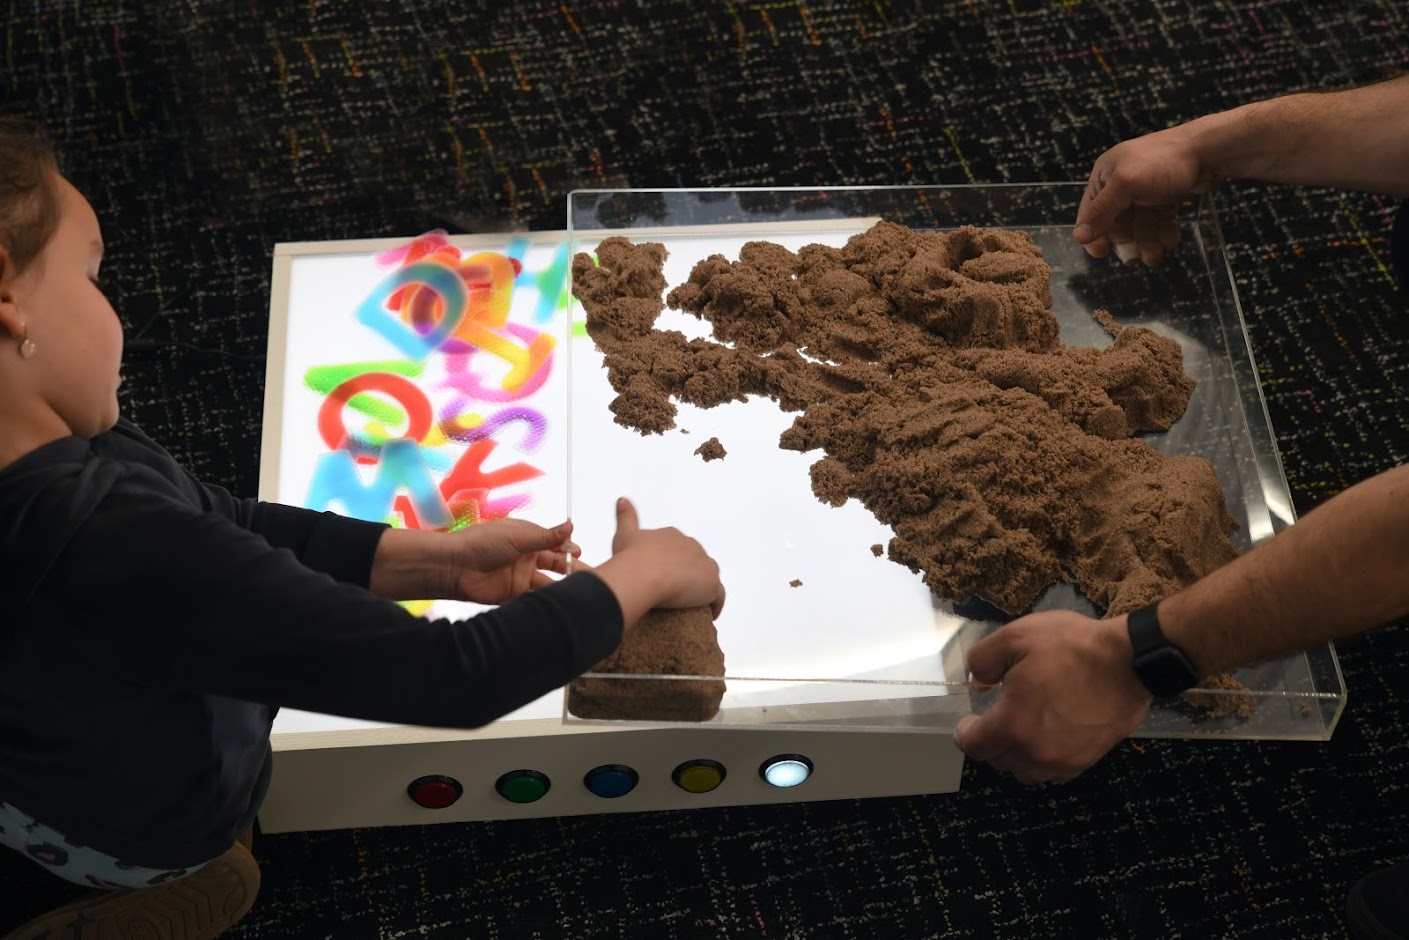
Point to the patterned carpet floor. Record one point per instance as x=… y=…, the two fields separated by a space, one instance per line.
x=205 y=132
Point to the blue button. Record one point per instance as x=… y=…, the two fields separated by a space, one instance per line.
x=611 y=780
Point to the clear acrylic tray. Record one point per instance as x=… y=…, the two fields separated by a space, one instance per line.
x=818 y=632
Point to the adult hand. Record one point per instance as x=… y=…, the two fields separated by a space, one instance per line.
x=1132 y=199
x=502 y=558
x=1069 y=695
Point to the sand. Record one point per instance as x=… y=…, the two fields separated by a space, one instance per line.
x=935 y=389
x=926 y=373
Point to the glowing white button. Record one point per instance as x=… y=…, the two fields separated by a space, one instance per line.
x=786 y=770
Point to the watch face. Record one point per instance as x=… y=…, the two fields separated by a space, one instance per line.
x=1165 y=671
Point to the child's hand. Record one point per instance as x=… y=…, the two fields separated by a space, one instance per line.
x=658 y=568
x=496 y=560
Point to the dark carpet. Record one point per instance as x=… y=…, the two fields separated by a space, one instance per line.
x=205 y=132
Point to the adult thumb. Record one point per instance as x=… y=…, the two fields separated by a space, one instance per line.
x=1098 y=210
x=992 y=657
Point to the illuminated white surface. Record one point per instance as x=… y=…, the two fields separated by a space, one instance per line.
x=315 y=320
x=853 y=615
x=323 y=292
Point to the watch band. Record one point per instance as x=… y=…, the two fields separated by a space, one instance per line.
x=1145 y=632
x=1161 y=666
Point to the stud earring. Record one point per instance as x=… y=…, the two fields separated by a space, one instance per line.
x=27 y=347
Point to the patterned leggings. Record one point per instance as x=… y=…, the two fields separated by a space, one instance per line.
x=77 y=863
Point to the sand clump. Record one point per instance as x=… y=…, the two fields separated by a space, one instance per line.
x=711 y=449
x=927 y=372
x=679 y=642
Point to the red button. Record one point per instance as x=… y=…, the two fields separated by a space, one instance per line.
x=434 y=792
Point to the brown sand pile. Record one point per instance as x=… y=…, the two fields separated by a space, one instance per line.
x=662 y=643
x=927 y=369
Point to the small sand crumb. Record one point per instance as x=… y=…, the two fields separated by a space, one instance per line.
x=1211 y=705
x=711 y=450
x=795 y=583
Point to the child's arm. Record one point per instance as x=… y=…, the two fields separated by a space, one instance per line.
x=483 y=563
x=486 y=563
x=324 y=541
x=169 y=596
x=190 y=601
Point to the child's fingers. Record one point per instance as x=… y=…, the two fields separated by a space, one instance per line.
x=627 y=522
x=552 y=561
x=556 y=537
x=626 y=519
x=530 y=537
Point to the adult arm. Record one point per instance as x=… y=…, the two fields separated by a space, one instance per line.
x=1070 y=693
x=1341 y=570
x=1356 y=139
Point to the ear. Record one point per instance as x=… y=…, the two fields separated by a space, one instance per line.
x=11 y=319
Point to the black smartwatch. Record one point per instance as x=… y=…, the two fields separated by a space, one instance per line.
x=1161 y=666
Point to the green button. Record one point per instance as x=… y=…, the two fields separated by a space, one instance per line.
x=522 y=786
x=698 y=776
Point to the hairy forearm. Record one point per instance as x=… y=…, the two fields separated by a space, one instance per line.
x=1355 y=139
x=410 y=565
x=1342 y=569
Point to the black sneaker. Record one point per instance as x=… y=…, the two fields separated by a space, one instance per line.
x=1377 y=906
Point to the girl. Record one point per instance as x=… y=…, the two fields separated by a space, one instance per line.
x=150 y=624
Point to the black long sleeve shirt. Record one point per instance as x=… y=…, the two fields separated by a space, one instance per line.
x=150 y=625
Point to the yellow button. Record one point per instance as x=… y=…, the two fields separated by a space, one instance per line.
x=698 y=776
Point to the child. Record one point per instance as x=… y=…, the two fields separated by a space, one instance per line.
x=151 y=624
